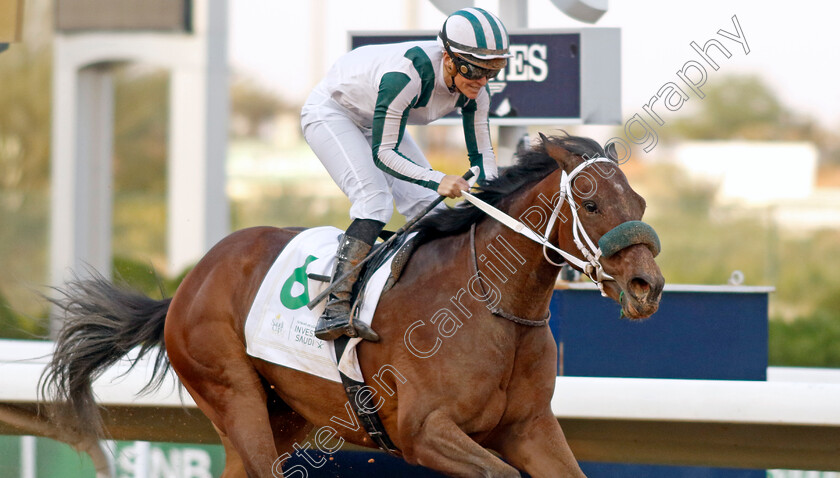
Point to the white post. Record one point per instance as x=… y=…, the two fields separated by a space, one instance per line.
x=83 y=109
x=198 y=207
x=142 y=459
x=28 y=468
x=94 y=165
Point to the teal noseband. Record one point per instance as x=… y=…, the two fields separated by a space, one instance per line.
x=628 y=234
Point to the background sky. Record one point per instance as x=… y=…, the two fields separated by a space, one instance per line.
x=794 y=46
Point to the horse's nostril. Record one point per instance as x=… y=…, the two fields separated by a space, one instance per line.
x=639 y=288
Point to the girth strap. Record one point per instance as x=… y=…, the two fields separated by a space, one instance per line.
x=495 y=310
x=369 y=419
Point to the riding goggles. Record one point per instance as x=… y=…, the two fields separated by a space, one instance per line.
x=463 y=67
x=473 y=72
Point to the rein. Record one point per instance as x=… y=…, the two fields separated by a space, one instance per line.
x=495 y=310
x=591 y=264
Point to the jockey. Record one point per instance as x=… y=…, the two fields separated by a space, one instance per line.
x=354 y=121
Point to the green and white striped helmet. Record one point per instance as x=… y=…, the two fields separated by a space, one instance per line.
x=476 y=33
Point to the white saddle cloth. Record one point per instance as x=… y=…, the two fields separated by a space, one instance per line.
x=281 y=329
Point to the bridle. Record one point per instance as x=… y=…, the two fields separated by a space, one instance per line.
x=591 y=266
x=618 y=238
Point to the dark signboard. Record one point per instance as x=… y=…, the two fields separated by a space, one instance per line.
x=543 y=81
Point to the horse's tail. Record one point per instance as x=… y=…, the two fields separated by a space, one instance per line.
x=103 y=322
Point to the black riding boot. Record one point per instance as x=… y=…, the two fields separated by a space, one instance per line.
x=335 y=320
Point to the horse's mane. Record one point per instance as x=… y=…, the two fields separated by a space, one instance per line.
x=531 y=166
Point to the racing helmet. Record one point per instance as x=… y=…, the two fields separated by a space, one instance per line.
x=476 y=36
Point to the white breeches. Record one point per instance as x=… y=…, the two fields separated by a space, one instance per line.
x=345 y=149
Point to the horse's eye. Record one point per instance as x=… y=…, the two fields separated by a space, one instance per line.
x=590 y=206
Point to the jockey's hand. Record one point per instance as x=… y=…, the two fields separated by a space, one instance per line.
x=451 y=186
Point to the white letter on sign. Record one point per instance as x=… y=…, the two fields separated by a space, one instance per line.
x=537 y=55
x=516 y=64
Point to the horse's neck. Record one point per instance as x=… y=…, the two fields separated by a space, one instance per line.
x=516 y=266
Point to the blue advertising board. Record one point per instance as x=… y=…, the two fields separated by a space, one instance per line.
x=699 y=332
x=552 y=76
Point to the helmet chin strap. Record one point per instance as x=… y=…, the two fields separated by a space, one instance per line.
x=450 y=74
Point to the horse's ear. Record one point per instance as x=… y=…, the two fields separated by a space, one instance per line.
x=556 y=152
x=611 y=152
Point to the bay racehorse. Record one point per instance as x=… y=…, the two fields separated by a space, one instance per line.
x=465 y=364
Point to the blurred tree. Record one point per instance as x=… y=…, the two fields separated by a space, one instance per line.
x=26 y=76
x=252 y=106
x=25 y=86
x=141 y=128
x=14 y=325
x=809 y=341
x=742 y=107
x=702 y=244
x=141 y=122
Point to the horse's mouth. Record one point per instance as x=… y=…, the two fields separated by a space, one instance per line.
x=634 y=310
x=639 y=299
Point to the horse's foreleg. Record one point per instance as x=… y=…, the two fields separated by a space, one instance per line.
x=442 y=446
x=537 y=446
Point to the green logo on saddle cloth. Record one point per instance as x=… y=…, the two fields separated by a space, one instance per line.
x=298 y=276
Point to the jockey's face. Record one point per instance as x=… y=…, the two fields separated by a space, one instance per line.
x=469 y=88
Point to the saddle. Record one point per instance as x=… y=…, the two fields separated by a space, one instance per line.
x=401 y=249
